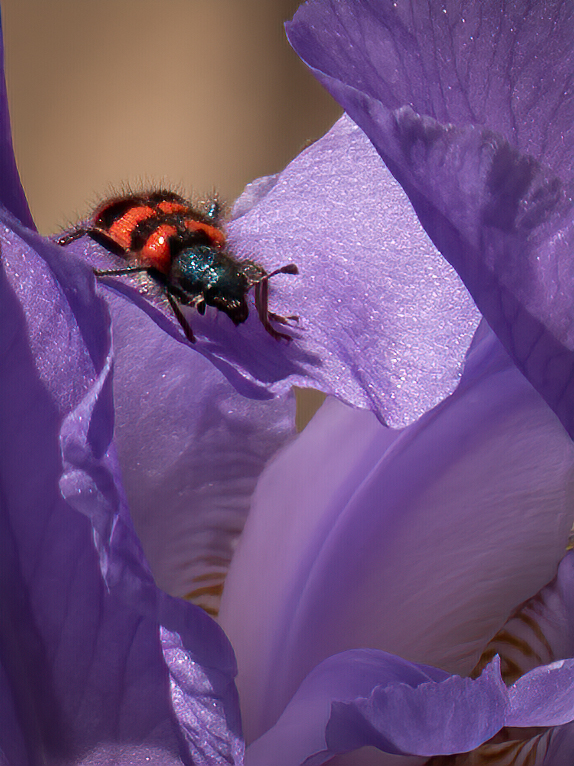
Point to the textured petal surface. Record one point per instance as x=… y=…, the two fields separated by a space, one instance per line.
x=390 y=320
x=89 y=670
x=11 y=193
x=384 y=321
x=501 y=219
x=359 y=544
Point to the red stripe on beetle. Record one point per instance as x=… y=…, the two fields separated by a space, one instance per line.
x=172 y=207
x=157 y=251
x=216 y=236
x=121 y=230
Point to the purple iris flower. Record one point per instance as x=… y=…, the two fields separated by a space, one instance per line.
x=380 y=567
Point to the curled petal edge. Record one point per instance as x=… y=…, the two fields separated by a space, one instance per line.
x=410 y=709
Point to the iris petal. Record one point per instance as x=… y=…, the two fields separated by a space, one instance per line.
x=389 y=320
x=480 y=487
x=408 y=709
x=86 y=638
x=508 y=67
x=500 y=218
x=191 y=451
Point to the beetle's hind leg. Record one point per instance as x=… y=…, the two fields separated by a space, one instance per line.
x=99 y=236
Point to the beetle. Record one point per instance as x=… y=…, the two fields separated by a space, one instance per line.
x=184 y=250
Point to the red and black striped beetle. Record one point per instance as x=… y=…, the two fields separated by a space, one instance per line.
x=184 y=250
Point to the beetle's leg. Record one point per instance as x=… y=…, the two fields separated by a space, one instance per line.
x=282 y=320
x=261 y=304
x=119 y=272
x=185 y=325
x=290 y=268
x=71 y=236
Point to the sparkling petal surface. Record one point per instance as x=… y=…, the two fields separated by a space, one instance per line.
x=390 y=321
x=86 y=669
x=358 y=544
x=499 y=217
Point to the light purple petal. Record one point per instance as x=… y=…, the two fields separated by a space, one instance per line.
x=86 y=647
x=12 y=195
x=390 y=321
x=191 y=448
x=544 y=696
x=369 y=698
x=191 y=451
x=418 y=542
x=502 y=220
x=384 y=321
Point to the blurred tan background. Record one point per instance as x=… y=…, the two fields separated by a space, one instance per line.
x=194 y=94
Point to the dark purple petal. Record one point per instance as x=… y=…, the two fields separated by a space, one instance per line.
x=508 y=66
x=89 y=668
x=417 y=542
x=12 y=195
x=500 y=218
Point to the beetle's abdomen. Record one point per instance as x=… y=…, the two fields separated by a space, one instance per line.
x=153 y=229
